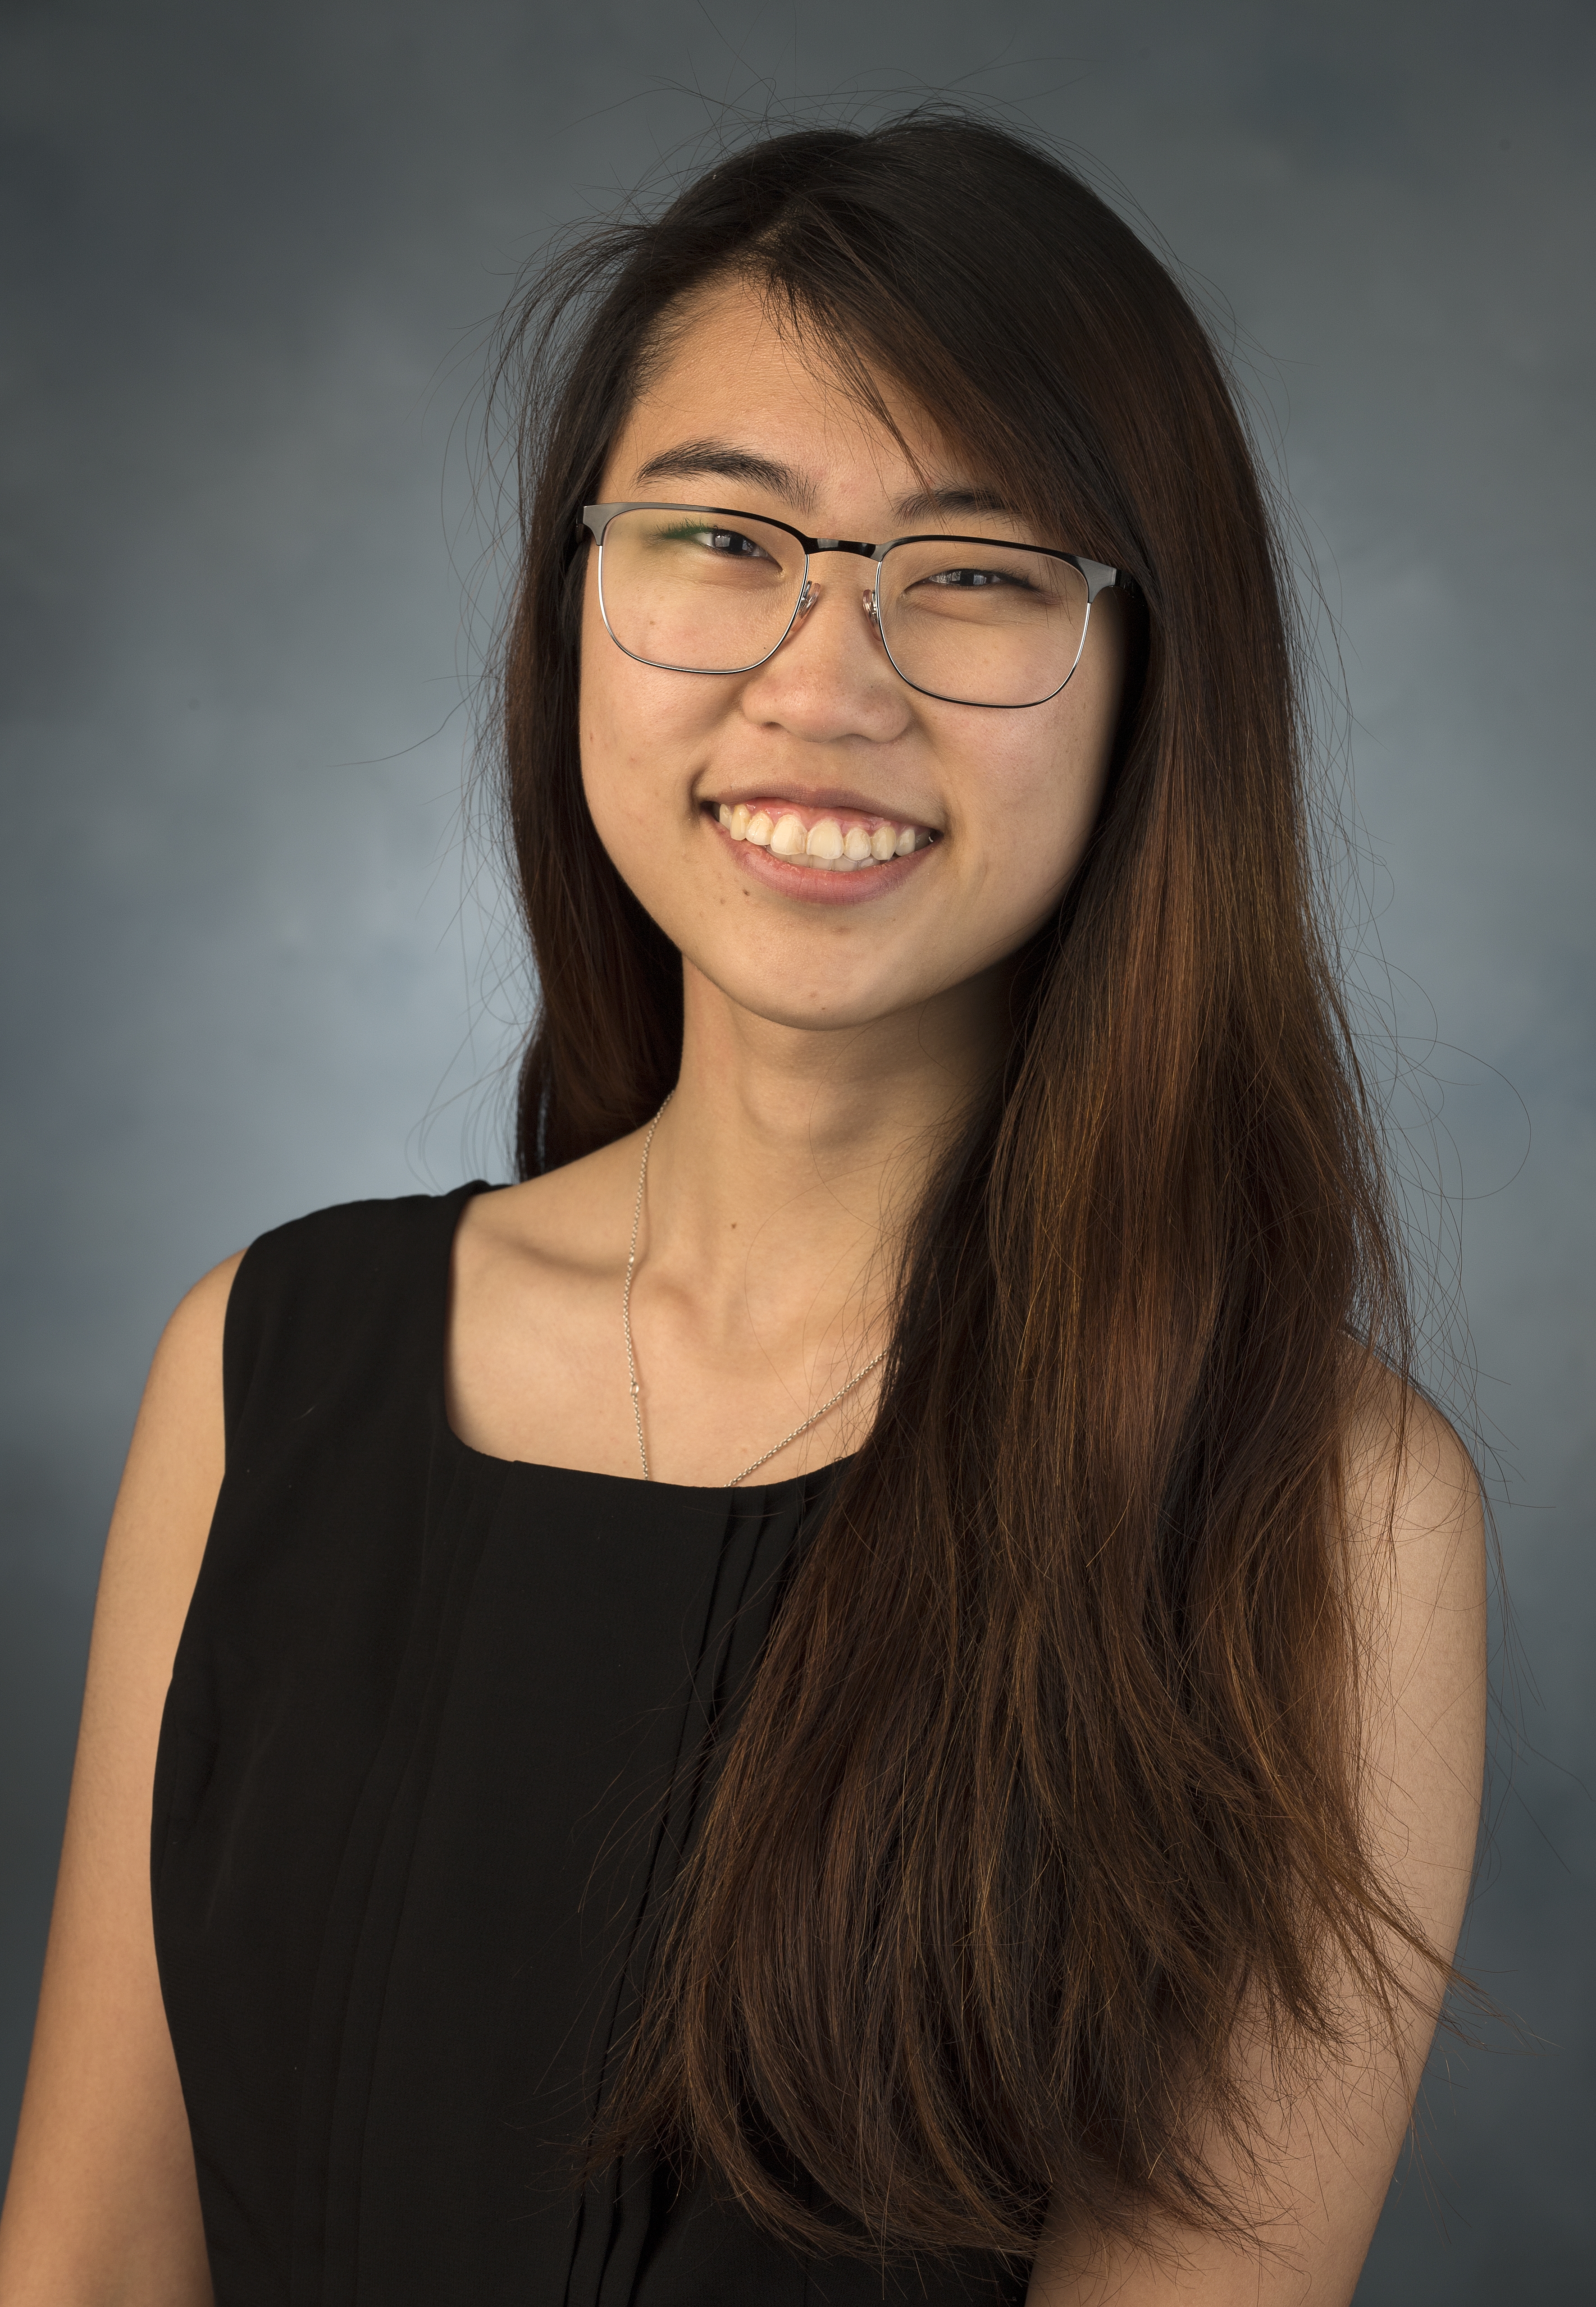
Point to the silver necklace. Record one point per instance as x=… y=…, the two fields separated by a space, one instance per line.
x=631 y=1360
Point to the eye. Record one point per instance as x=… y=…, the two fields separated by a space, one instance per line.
x=970 y=580
x=726 y=544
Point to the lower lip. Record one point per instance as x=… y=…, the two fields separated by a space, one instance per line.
x=811 y=884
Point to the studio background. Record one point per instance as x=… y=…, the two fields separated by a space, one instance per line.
x=252 y=964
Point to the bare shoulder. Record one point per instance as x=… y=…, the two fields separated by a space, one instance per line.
x=102 y=2201
x=1404 y=1456
x=174 y=1464
x=185 y=1386
x=1416 y=1526
x=1325 y=2147
x=202 y=1310
x=164 y=1506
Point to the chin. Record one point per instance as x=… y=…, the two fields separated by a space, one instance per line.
x=853 y=1001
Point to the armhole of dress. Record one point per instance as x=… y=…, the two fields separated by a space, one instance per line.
x=240 y=1340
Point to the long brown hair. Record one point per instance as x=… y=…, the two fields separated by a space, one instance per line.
x=1049 y=1768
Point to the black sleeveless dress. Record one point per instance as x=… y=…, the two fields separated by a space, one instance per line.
x=433 y=1746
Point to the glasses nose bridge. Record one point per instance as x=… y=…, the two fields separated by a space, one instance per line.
x=862 y=551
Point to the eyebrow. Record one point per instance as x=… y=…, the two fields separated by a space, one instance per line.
x=935 y=504
x=696 y=459
x=722 y=461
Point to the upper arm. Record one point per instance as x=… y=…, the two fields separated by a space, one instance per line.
x=102 y=2204
x=1327 y=2147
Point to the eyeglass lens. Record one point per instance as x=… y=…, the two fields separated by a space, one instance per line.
x=982 y=624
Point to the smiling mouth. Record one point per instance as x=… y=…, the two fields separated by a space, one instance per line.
x=831 y=841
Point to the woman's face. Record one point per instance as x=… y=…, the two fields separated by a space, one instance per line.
x=999 y=805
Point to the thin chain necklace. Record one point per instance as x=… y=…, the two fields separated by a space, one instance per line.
x=631 y=1360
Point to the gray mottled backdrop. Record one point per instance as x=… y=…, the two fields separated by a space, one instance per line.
x=251 y=966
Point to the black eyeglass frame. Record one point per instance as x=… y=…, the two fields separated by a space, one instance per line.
x=1098 y=576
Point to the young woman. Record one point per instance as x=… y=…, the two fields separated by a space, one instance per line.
x=870 y=1683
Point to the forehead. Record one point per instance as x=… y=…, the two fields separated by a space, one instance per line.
x=729 y=370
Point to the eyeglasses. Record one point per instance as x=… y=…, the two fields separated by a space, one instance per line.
x=969 y=620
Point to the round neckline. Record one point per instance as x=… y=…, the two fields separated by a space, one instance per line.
x=470 y=1454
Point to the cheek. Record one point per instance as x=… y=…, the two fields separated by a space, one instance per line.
x=1045 y=772
x=623 y=747
x=641 y=733
x=1034 y=803
x=609 y=771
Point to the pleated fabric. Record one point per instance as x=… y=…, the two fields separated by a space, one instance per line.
x=438 y=1736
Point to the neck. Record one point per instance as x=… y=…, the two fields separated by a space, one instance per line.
x=790 y=1159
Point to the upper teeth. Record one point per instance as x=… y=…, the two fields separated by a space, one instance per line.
x=826 y=843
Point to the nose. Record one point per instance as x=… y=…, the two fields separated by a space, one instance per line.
x=831 y=677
